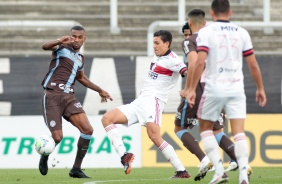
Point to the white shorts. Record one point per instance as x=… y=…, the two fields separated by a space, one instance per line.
x=142 y=110
x=211 y=107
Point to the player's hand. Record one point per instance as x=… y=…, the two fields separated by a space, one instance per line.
x=66 y=39
x=104 y=96
x=261 y=97
x=183 y=93
x=191 y=98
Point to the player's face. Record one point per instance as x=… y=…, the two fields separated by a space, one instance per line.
x=79 y=38
x=187 y=33
x=160 y=47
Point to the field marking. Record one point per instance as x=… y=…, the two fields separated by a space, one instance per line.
x=105 y=181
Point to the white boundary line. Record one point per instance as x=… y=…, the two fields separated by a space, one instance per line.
x=130 y=180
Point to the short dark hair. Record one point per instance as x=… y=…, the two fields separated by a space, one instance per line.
x=220 y=6
x=185 y=26
x=196 y=13
x=77 y=28
x=165 y=35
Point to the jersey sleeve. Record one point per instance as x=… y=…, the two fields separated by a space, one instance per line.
x=192 y=45
x=178 y=66
x=247 y=44
x=185 y=47
x=203 y=41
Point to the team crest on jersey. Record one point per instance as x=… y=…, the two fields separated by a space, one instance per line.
x=152 y=75
x=52 y=123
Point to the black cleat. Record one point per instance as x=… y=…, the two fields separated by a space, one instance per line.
x=181 y=174
x=77 y=173
x=43 y=164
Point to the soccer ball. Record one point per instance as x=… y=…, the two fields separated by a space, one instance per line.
x=44 y=145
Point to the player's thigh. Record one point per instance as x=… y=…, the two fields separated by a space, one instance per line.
x=52 y=110
x=80 y=121
x=115 y=116
x=235 y=107
x=185 y=116
x=210 y=108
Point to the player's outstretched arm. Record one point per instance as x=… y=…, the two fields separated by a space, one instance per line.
x=83 y=79
x=52 y=45
x=256 y=74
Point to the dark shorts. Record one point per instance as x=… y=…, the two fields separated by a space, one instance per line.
x=187 y=117
x=56 y=105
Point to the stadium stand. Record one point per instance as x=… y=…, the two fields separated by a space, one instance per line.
x=134 y=17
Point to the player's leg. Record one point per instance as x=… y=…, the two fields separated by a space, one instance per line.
x=109 y=121
x=153 y=131
x=224 y=142
x=208 y=111
x=51 y=113
x=241 y=148
x=80 y=121
x=186 y=117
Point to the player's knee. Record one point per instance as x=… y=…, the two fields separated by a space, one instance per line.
x=88 y=131
x=57 y=138
x=106 y=120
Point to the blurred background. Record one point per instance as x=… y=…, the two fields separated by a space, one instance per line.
x=118 y=51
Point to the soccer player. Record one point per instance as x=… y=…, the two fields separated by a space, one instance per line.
x=148 y=107
x=59 y=101
x=223 y=45
x=187 y=117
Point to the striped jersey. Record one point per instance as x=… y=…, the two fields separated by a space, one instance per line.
x=64 y=65
x=163 y=75
x=225 y=44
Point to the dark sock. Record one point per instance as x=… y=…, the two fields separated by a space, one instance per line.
x=228 y=146
x=192 y=145
x=82 y=147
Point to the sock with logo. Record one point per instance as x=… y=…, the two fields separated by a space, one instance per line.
x=170 y=154
x=116 y=139
x=242 y=155
x=82 y=147
x=211 y=148
x=226 y=145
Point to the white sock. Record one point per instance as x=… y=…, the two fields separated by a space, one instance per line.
x=211 y=148
x=242 y=154
x=116 y=139
x=171 y=156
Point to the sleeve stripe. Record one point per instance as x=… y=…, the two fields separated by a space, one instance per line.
x=203 y=48
x=248 y=52
x=183 y=70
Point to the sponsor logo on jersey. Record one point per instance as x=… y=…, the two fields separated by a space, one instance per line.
x=78 y=105
x=152 y=75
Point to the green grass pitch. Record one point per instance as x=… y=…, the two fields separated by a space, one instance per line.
x=261 y=175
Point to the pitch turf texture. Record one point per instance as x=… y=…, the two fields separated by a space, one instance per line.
x=266 y=175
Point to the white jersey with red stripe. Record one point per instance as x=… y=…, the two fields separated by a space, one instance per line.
x=225 y=44
x=163 y=75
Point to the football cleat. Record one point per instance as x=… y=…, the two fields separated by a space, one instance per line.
x=77 y=173
x=205 y=166
x=181 y=174
x=126 y=161
x=233 y=166
x=219 y=179
x=43 y=164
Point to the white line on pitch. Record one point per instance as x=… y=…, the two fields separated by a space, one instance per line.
x=105 y=181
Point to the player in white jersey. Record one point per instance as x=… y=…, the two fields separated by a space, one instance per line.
x=148 y=107
x=223 y=44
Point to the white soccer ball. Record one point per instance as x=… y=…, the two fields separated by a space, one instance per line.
x=44 y=145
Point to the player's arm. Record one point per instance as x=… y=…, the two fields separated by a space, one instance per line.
x=256 y=74
x=83 y=79
x=192 y=58
x=53 y=45
x=196 y=75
